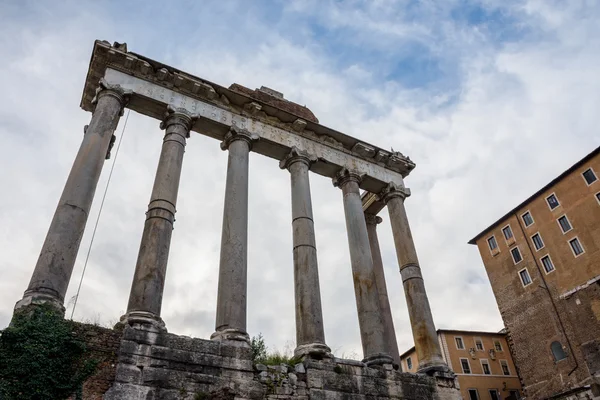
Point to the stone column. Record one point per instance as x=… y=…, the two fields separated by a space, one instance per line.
x=384 y=303
x=310 y=336
x=367 y=299
x=145 y=298
x=55 y=264
x=421 y=320
x=233 y=267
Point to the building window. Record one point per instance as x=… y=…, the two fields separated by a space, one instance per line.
x=507 y=232
x=552 y=201
x=473 y=395
x=466 y=368
x=576 y=247
x=516 y=255
x=492 y=243
x=589 y=176
x=538 y=243
x=598 y=197
x=494 y=395
x=527 y=218
x=479 y=344
x=557 y=351
x=547 y=263
x=565 y=225
x=459 y=343
x=525 y=278
x=409 y=363
x=514 y=394
x=504 y=365
x=497 y=345
x=485 y=365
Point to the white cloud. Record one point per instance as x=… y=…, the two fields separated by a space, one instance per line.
x=517 y=114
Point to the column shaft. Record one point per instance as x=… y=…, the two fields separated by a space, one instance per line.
x=310 y=335
x=233 y=267
x=365 y=289
x=145 y=299
x=424 y=333
x=389 y=332
x=52 y=273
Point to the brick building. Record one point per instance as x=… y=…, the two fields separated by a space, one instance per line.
x=481 y=360
x=543 y=262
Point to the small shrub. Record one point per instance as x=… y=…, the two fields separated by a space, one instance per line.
x=259 y=348
x=40 y=358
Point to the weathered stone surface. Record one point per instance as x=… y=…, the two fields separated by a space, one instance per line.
x=367 y=298
x=55 y=264
x=427 y=346
x=310 y=336
x=389 y=333
x=145 y=298
x=233 y=266
x=186 y=372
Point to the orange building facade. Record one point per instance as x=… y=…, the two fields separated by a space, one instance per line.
x=543 y=262
x=481 y=361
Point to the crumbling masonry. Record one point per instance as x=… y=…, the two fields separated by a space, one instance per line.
x=154 y=364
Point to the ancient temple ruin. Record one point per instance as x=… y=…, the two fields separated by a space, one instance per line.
x=154 y=364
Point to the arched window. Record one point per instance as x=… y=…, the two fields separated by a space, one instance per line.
x=557 y=351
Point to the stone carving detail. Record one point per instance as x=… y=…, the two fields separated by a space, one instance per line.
x=205 y=90
x=105 y=88
x=162 y=74
x=472 y=353
x=345 y=175
x=236 y=133
x=299 y=125
x=181 y=116
x=492 y=354
x=296 y=155
x=372 y=219
x=364 y=150
x=252 y=108
x=393 y=190
x=331 y=141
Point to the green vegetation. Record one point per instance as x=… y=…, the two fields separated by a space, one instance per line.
x=261 y=355
x=40 y=357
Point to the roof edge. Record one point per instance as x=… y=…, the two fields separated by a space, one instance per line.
x=537 y=193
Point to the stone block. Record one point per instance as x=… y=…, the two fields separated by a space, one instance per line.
x=120 y=391
x=127 y=373
x=260 y=367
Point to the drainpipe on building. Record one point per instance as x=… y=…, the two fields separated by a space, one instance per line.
x=562 y=327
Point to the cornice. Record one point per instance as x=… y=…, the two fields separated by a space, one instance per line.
x=117 y=57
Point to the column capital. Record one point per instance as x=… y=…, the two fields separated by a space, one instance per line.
x=179 y=116
x=236 y=133
x=117 y=91
x=392 y=190
x=297 y=155
x=344 y=176
x=372 y=219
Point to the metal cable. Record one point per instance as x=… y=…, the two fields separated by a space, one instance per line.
x=87 y=257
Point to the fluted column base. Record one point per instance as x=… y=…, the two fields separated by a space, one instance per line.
x=144 y=320
x=235 y=337
x=378 y=359
x=313 y=350
x=38 y=297
x=434 y=368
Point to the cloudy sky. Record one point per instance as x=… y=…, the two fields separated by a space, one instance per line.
x=491 y=99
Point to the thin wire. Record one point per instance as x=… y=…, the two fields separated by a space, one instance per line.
x=87 y=257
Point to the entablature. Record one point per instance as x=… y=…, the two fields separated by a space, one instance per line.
x=155 y=85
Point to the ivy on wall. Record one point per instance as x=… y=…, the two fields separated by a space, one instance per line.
x=41 y=358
